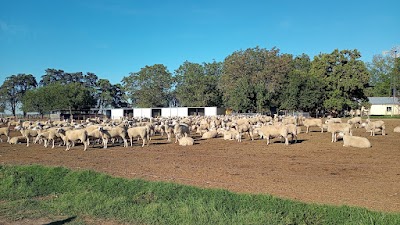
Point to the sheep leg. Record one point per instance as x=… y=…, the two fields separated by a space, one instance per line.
x=105 y=142
x=169 y=137
x=293 y=137
x=251 y=136
x=286 y=140
x=176 y=138
x=125 y=142
x=68 y=145
x=85 y=145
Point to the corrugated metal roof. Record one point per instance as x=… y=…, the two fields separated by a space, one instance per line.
x=383 y=100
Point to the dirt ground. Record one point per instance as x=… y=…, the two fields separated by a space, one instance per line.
x=313 y=170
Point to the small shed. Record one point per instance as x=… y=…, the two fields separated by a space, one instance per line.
x=166 y=112
x=120 y=113
x=384 y=106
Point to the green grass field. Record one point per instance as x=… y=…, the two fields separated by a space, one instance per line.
x=38 y=191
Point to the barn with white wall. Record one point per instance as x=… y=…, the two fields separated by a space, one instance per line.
x=166 y=112
x=384 y=106
x=119 y=113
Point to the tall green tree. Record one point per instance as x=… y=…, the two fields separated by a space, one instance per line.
x=395 y=77
x=196 y=84
x=14 y=88
x=150 y=87
x=56 y=96
x=75 y=96
x=104 y=96
x=118 y=96
x=213 y=72
x=90 y=80
x=301 y=91
x=39 y=100
x=60 y=76
x=380 y=69
x=52 y=76
x=2 y=106
x=343 y=76
x=109 y=95
x=252 y=78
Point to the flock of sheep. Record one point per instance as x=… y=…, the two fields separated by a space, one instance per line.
x=101 y=132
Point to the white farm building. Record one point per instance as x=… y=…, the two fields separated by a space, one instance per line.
x=163 y=112
x=384 y=106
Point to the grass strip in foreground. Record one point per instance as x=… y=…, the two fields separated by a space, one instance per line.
x=37 y=191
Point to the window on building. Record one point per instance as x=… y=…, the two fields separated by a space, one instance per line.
x=388 y=109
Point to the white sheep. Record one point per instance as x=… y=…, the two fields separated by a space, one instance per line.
x=274 y=131
x=6 y=132
x=185 y=141
x=294 y=131
x=229 y=134
x=357 y=121
x=181 y=130
x=333 y=120
x=74 y=135
x=98 y=134
x=142 y=132
x=335 y=128
x=396 y=129
x=160 y=129
x=169 y=130
x=244 y=128
x=201 y=130
x=17 y=139
x=27 y=132
x=115 y=132
x=210 y=134
x=372 y=126
x=354 y=141
x=309 y=122
x=289 y=120
x=48 y=135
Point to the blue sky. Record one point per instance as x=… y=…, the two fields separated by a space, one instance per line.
x=112 y=38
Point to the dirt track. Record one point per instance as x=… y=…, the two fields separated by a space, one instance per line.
x=314 y=170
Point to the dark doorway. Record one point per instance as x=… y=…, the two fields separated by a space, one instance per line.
x=196 y=111
x=155 y=113
x=128 y=113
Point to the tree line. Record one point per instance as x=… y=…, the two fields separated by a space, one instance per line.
x=251 y=80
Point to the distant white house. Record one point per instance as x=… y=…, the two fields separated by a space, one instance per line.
x=384 y=106
x=163 y=112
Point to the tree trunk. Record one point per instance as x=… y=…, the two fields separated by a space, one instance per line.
x=71 y=117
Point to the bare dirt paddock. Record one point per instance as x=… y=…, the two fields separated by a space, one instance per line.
x=313 y=170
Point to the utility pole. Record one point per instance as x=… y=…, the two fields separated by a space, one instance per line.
x=394 y=75
x=394 y=81
x=393 y=78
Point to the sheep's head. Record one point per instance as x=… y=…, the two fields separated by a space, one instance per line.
x=60 y=131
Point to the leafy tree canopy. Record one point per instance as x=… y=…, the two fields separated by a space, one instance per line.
x=344 y=78
x=150 y=87
x=14 y=88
